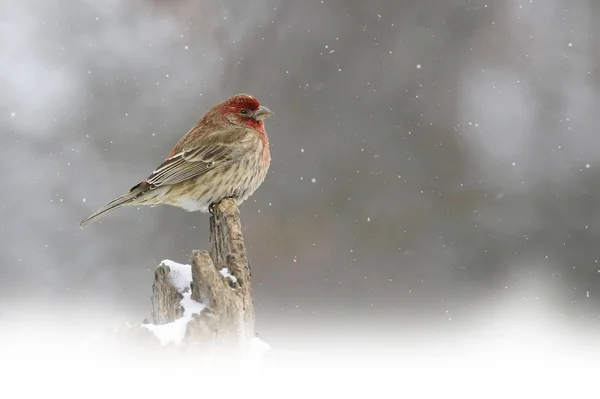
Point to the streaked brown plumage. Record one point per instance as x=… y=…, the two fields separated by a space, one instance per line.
x=225 y=155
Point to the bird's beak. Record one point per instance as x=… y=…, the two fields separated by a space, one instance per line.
x=262 y=113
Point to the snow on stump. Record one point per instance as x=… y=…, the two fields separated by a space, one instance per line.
x=207 y=305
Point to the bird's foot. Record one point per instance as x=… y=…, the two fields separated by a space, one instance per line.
x=211 y=207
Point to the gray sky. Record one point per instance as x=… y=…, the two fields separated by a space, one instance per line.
x=430 y=159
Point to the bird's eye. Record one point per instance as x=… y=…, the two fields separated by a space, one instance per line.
x=244 y=111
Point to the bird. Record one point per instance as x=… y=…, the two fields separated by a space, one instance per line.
x=225 y=154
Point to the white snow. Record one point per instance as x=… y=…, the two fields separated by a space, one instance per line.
x=174 y=332
x=258 y=347
x=225 y=273
x=190 y=307
x=180 y=275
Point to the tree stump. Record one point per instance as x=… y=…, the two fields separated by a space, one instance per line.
x=207 y=304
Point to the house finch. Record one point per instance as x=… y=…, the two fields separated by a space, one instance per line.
x=225 y=155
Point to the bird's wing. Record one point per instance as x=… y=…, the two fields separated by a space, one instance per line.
x=218 y=148
x=191 y=163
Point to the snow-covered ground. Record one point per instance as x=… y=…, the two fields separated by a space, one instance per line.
x=512 y=355
x=56 y=364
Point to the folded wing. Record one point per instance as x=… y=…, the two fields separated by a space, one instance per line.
x=191 y=163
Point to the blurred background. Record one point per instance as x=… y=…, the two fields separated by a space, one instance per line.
x=433 y=161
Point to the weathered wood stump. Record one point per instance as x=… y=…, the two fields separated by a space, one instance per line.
x=211 y=299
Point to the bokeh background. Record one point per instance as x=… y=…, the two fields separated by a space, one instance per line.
x=432 y=160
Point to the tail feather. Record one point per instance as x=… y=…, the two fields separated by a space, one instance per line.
x=112 y=206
